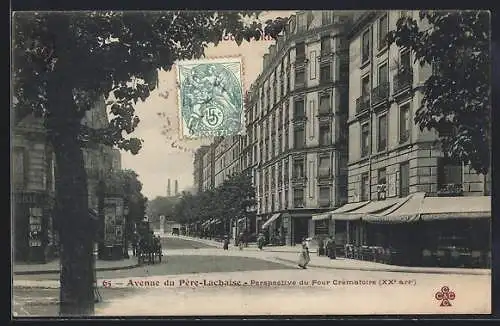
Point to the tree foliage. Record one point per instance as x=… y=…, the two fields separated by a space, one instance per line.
x=115 y=54
x=230 y=200
x=63 y=62
x=456 y=97
x=127 y=184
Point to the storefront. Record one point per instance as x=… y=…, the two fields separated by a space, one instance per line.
x=434 y=231
x=35 y=237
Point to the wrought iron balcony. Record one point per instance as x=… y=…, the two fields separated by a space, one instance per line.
x=362 y=104
x=403 y=80
x=380 y=93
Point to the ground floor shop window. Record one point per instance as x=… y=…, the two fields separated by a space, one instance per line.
x=321 y=227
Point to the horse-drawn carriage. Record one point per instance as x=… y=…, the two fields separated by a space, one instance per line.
x=146 y=246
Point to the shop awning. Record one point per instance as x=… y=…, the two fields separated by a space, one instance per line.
x=371 y=207
x=443 y=208
x=269 y=221
x=407 y=210
x=322 y=216
x=241 y=219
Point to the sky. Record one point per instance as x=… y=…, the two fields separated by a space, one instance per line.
x=158 y=160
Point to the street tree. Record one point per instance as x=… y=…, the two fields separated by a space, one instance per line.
x=456 y=97
x=64 y=62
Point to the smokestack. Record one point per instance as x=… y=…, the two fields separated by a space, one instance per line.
x=176 y=187
x=169 y=190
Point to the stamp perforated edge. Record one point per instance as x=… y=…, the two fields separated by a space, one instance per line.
x=209 y=59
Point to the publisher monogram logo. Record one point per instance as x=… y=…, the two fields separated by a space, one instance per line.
x=445 y=296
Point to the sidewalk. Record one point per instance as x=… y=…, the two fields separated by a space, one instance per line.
x=289 y=254
x=53 y=267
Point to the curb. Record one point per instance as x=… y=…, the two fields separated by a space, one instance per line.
x=56 y=271
x=393 y=270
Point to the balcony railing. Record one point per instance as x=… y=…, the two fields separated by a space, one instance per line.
x=362 y=104
x=324 y=173
x=450 y=190
x=403 y=80
x=380 y=93
x=298 y=202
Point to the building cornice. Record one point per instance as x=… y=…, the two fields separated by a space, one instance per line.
x=359 y=24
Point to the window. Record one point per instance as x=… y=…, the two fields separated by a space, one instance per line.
x=18 y=167
x=324 y=166
x=280 y=174
x=365 y=87
x=299 y=78
x=365 y=187
x=286 y=198
x=299 y=138
x=298 y=197
x=300 y=52
x=325 y=138
x=382 y=176
x=299 y=109
x=324 y=196
x=280 y=143
x=382 y=132
x=405 y=60
x=286 y=140
x=285 y=171
x=298 y=168
x=324 y=104
x=404 y=179
x=383 y=74
x=383 y=29
x=449 y=175
x=365 y=139
x=273 y=176
x=404 y=123
x=325 y=46
x=301 y=22
x=365 y=47
x=325 y=73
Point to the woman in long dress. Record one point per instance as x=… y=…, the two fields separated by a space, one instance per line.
x=304 y=258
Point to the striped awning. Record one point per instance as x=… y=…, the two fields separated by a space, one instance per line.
x=444 y=208
x=322 y=216
x=363 y=209
x=270 y=220
x=407 y=210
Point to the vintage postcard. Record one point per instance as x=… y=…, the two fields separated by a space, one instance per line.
x=199 y=163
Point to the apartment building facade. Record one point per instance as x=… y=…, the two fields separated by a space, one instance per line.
x=208 y=167
x=198 y=168
x=389 y=156
x=296 y=142
x=33 y=183
x=227 y=158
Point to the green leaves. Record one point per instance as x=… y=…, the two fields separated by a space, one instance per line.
x=456 y=98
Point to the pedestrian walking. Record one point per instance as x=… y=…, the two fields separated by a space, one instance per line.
x=241 y=241
x=304 y=257
x=226 y=243
x=260 y=241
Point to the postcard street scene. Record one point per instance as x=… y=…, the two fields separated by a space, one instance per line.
x=237 y=163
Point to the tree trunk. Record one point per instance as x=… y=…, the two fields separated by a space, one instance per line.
x=75 y=231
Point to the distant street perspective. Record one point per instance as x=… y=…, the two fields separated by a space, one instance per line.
x=324 y=162
x=249 y=281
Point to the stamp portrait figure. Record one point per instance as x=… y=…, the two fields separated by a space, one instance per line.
x=211 y=97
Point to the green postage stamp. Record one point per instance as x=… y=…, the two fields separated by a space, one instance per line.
x=210 y=97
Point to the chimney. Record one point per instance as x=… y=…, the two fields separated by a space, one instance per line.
x=169 y=191
x=176 y=188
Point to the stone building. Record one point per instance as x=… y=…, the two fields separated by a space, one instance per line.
x=33 y=183
x=33 y=192
x=390 y=158
x=296 y=142
x=227 y=158
x=198 y=168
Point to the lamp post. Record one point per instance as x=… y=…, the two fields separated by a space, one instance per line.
x=125 y=234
